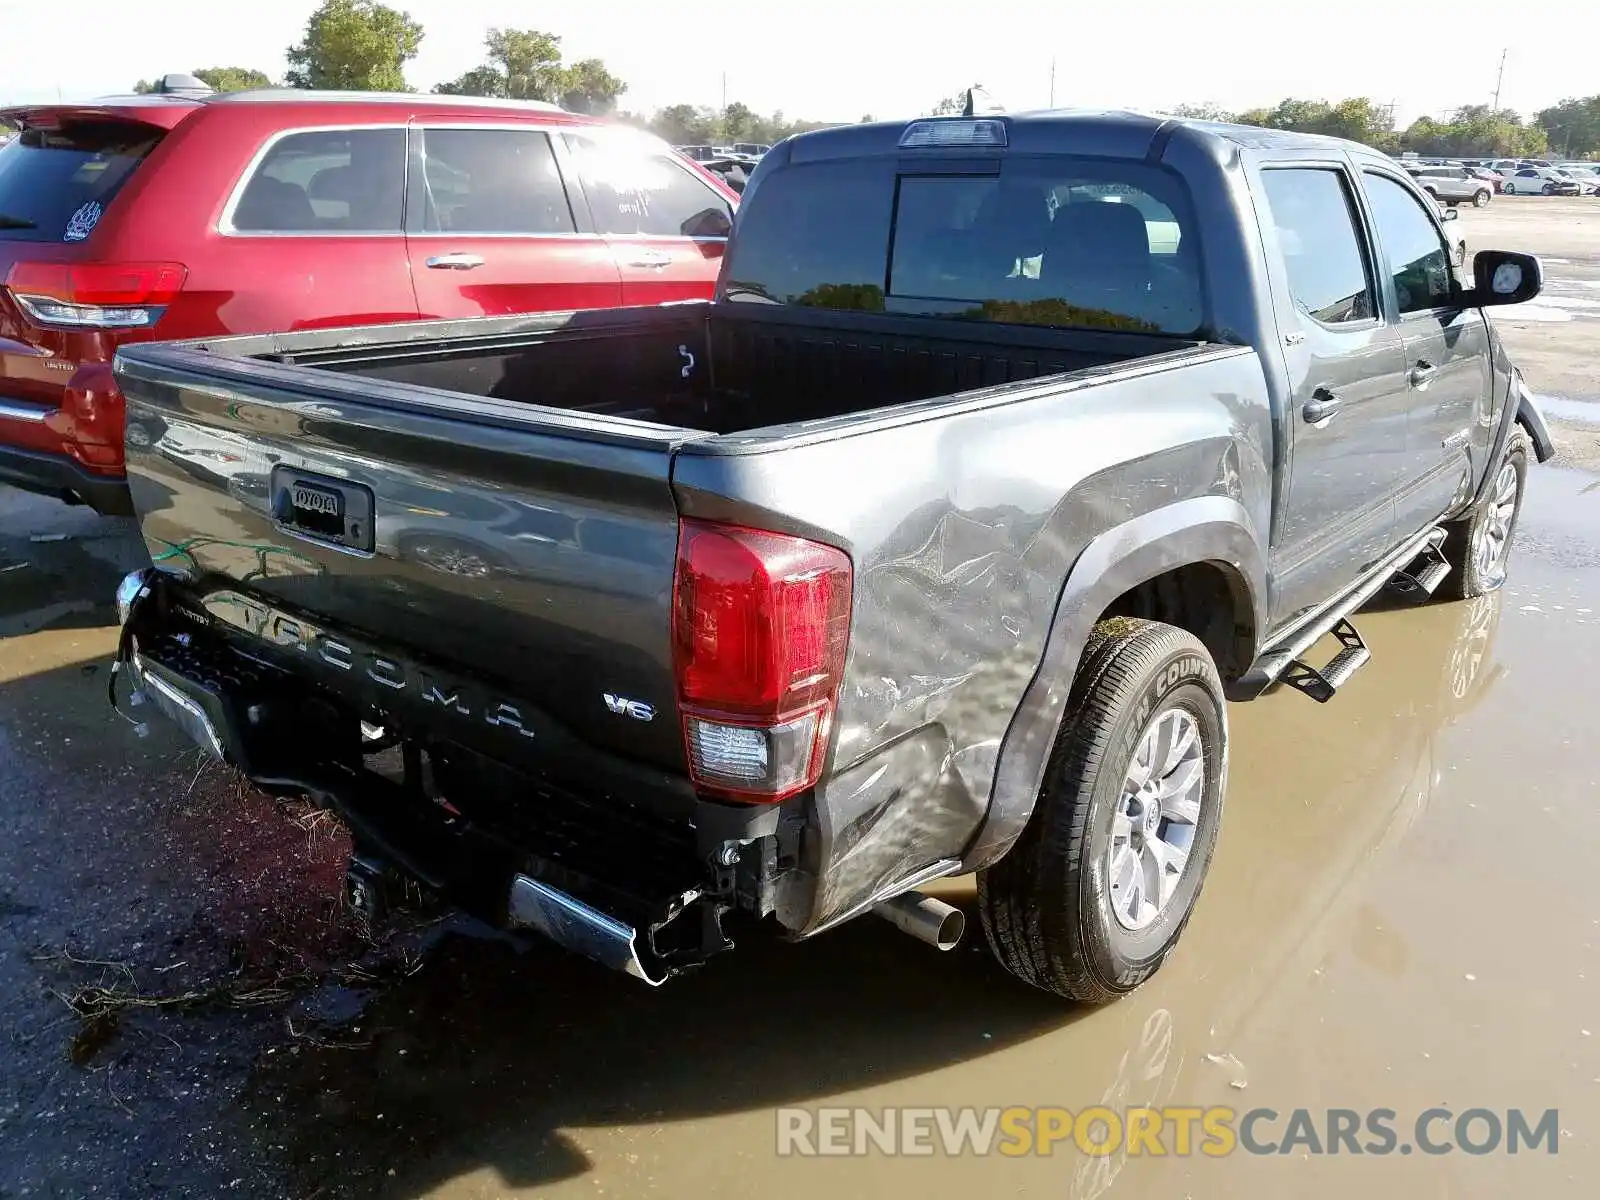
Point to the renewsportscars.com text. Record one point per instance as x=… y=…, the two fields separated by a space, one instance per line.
x=1171 y=1130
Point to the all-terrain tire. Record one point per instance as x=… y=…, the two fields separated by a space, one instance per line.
x=1046 y=907
x=1474 y=573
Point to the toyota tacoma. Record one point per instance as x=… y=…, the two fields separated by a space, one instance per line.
x=1009 y=449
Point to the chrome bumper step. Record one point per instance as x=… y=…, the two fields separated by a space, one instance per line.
x=571 y=923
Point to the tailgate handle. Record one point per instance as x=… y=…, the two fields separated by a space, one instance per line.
x=455 y=262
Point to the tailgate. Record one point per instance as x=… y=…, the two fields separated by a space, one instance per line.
x=502 y=570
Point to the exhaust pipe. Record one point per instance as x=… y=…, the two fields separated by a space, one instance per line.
x=924 y=918
x=570 y=922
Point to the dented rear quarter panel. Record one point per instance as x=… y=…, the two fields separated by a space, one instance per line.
x=986 y=538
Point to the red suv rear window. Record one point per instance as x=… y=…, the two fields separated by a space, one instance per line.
x=55 y=184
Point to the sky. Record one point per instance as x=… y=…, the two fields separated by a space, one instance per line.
x=836 y=60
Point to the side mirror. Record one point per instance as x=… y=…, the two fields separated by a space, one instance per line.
x=1449 y=214
x=1503 y=277
x=708 y=223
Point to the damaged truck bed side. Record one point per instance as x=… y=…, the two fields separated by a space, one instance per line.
x=1009 y=449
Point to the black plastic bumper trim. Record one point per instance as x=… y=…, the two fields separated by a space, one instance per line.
x=57 y=475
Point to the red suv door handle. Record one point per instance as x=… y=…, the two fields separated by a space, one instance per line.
x=649 y=258
x=455 y=262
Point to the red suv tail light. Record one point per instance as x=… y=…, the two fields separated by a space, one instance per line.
x=95 y=295
x=759 y=630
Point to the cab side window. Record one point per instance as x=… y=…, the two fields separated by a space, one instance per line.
x=1418 y=254
x=1313 y=211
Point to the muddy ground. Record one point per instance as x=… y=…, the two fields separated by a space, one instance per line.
x=1403 y=912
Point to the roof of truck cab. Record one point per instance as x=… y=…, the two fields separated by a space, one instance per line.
x=1116 y=133
x=1259 y=138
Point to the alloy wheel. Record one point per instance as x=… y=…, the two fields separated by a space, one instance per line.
x=1154 y=824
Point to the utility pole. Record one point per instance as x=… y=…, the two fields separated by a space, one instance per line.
x=1494 y=109
x=724 y=91
x=1052 y=83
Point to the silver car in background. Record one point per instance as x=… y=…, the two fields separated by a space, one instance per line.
x=1542 y=181
x=1586 y=174
x=1453 y=185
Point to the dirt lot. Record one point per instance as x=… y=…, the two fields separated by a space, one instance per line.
x=1402 y=914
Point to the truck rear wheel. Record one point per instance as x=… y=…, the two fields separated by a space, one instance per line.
x=1478 y=546
x=1097 y=891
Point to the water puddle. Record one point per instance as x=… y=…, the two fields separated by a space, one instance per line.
x=1534 y=313
x=1567 y=408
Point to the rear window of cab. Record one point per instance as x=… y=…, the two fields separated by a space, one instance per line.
x=1060 y=241
x=56 y=184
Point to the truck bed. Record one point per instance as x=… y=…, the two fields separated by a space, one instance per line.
x=510 y=490
x=465 y=535
x=717 y=369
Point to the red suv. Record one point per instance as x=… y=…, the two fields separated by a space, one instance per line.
x=253 y=212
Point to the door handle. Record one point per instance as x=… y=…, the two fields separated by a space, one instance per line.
x=1321 y=407
x=654 y=259
x=455 y=262
x=1419 y=375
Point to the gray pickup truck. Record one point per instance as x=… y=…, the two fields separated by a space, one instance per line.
x=1009 y=449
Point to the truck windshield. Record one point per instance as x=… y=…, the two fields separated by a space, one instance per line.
x=1059 y=241
x=54 y=184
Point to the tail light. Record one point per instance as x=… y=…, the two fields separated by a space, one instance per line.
x=760 y=625
x=95 y=295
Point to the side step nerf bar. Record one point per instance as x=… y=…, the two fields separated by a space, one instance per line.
x=1274 y=664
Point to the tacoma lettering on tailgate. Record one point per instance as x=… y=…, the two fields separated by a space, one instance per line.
x=343 y=656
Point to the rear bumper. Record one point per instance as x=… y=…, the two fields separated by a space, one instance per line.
x=392 y=830
x=57 y=475
x=586 y=870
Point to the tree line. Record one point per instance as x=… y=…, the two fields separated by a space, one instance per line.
x=1570 y=129
x=689 y=125
x=362 y=45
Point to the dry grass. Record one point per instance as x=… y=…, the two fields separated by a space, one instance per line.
x=270 y=924
x=113 y=990
x=116 y=990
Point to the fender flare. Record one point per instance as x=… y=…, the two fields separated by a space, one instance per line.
x=1521 y=408
x=1205 y=529
x=1532 y=419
